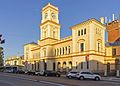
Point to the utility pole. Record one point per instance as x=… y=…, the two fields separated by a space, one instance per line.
x=2 y=41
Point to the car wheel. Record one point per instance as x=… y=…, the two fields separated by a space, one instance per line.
x=46 y=75
x=58 y=75
x=81 y=78
x=97 y=78
x=69 y=77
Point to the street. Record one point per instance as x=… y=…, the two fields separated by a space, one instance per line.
x=8 y=79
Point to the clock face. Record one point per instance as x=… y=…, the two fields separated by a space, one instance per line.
x=46 y=15
x=53 y=15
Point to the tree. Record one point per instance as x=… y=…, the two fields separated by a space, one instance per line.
x=1 y=50
x=1 y=56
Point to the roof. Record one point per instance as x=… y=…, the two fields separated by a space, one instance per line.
x=31 y=43
x=113 y=44
x=51 y=6
x=88 y=21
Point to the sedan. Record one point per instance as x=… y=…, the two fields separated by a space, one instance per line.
x=51 y=73
x=88 y=75
x=71 y=74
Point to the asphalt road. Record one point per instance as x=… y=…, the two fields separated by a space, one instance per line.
x=11 y=80
x=7 y=79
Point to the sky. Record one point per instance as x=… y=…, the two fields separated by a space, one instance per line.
x=20 y=19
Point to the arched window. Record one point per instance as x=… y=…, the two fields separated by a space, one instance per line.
x=81 y=44
x=69 y=49
x=98 y=46
x=63 y=50
x=66 y=49
x=78 y=32
x=81 y=32
x=85 y=31
x=60 y=51
x=82 y=47
x=57 y=51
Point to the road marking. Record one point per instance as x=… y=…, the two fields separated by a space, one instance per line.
x=34 y=80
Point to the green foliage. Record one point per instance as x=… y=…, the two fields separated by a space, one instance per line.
x=1 y=56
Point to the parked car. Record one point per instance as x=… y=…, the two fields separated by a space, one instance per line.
x=20 y=72
x=88 y=75
x=71 y=74
x=8 y=71
x=30 y=72
x=50 y=73
x=38 y=73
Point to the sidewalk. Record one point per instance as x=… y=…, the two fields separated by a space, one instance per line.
x=111 y=79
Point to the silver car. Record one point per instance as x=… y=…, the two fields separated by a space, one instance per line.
x=88 y=75
x=71 y=74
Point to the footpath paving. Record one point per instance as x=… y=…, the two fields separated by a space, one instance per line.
x=111 y=79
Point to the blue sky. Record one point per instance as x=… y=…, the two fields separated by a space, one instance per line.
x=20 y=19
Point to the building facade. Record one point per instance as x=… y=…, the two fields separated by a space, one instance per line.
x=113 y=47
x=83 y=50
x=14 y=61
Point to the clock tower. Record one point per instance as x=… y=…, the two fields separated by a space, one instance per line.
x=50 y=27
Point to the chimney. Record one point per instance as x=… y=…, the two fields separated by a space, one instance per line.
x=113 y=17
x=102 y=20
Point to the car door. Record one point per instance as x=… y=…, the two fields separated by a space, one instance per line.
x=90 y=75
x=73 y=74
x=85 y=74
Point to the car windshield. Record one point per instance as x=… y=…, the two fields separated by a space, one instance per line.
x=86 y=73
x=74 y=72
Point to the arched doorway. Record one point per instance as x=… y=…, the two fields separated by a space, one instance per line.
x=64 y=67
x=58 y=66
x=70 y=65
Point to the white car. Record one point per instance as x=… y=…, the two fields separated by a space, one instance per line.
x=40 y=73
x=88 y=75
x=37 y=73
x=8 y=70
x=71 y=74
